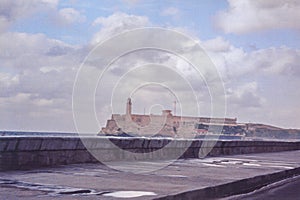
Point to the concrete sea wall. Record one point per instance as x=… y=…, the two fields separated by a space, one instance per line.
x=33 y=152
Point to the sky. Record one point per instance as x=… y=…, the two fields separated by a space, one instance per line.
x=254 y=45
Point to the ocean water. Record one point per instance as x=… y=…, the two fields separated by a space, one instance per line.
x=33 y=133
x=66 y=134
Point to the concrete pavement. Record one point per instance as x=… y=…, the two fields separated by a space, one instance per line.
x=287 y=189
x=183 y=178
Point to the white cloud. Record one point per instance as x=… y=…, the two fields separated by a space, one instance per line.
x=70 y=15
x=217 y=44
x=36 y=80
x=250 y=16
x=276 y=61
x=7 y=80
x=35 y=64
x=262 y=85
x=131 y=2
x=170 y=11
x=245 y=72
x=234 y=62
x=11 y=11
x=43 y=102
x=52 y=3
x=246 y=95
x=37 y=73
x=31 y=51
x=24 y=111
x=116 y=23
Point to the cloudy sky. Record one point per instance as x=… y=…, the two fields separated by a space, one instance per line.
x=253 y=44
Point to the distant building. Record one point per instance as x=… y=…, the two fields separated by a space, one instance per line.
x=164 y=124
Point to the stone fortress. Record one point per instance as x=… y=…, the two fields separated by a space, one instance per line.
x=171 y=125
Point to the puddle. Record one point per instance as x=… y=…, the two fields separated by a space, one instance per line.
x=83 y=191
x=52 y=190
x=129 y=194
x=230 y=162
x=252 y=164
x=280 y=166
x=212 y=165
x=176 y=175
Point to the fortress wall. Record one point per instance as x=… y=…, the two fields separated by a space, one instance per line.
x=33 y=152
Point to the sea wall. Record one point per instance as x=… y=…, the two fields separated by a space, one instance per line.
x=33 y=152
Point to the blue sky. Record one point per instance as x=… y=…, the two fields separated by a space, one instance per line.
x=254 y=45
x=193 y=15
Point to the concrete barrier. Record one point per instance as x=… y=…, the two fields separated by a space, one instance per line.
x=32 y=152
x=234 y=188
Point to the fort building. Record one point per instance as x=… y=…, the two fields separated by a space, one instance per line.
x=165 y=124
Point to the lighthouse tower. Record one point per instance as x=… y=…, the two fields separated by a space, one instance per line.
x=128 y=107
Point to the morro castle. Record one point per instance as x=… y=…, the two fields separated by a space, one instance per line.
x=165 y=124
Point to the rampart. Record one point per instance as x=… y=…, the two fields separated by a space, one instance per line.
x=34 y=152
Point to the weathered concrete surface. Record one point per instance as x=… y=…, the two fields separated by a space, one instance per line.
x=286 y=189
x=32 y=152
x=184 y=179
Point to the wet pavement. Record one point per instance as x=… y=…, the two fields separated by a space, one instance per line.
x=91 y=181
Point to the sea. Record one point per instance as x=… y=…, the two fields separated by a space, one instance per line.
x=35 y=133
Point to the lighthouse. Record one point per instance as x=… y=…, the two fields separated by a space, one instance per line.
x=128 y=107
